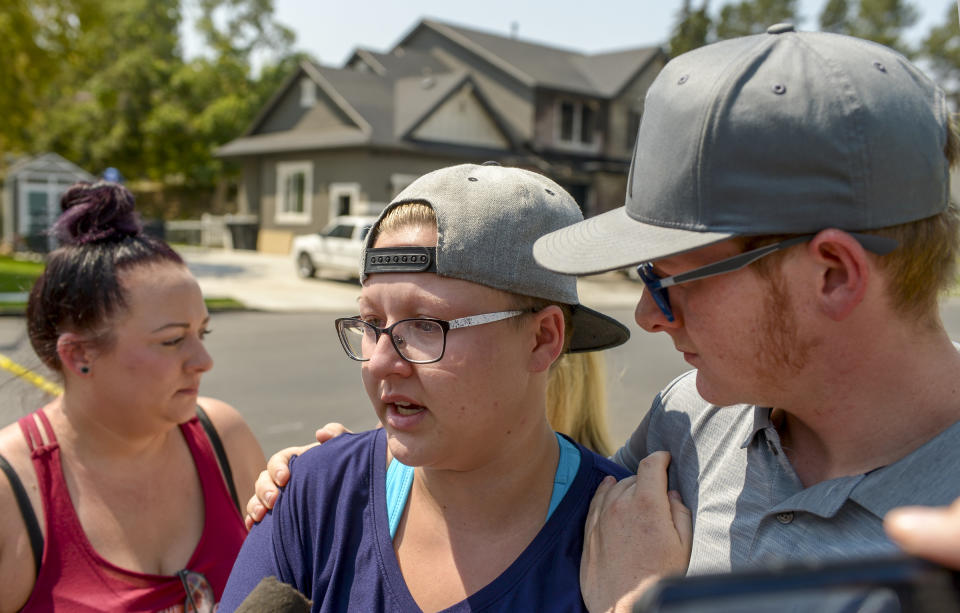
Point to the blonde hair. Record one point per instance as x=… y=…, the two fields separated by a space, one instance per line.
x=576 y=388
x=577 y=399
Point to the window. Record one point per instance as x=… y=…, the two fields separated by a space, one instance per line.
x=341 y=231
x=308 y=92
x=294 y=192
x=344 y=198
x=577 y=122
x=567 y=110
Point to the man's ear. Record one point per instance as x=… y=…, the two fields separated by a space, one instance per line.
x=844 y=273
x=76 y=353
x=549 y=329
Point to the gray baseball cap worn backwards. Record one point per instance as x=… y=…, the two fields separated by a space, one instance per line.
x=779 y=133
x=488 y=218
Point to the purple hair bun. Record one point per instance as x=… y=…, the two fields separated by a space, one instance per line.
x=95 y=213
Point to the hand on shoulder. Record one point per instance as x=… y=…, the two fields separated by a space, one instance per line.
x=636 y=532
x=276 y=475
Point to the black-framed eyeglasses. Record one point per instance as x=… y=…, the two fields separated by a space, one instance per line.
x=657 y=285
x=419 y=340
x=200 y=597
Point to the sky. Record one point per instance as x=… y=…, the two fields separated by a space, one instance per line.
x=330 y=31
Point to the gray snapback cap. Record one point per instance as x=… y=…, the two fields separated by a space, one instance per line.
x=777 y=133
x=488 y=218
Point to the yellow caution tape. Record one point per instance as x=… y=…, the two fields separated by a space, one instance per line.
x=24 y=373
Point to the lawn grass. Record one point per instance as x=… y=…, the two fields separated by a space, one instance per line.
x=18 y=275
x=214 y=305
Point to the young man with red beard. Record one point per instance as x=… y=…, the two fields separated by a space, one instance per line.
x=788 y=210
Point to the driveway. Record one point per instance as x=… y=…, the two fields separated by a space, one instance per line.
x=270 y=283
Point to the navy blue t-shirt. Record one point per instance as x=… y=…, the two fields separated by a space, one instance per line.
x=329 y=538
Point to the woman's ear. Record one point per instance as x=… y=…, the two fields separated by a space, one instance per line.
x=549 y=328
x=75 y=353
x=844 y=272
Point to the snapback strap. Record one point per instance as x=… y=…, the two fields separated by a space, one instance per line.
x=400 y=259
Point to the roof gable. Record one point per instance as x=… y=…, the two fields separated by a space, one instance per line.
x=448 y=109
x=284 y=103
x=48 y=163
x=539 y=65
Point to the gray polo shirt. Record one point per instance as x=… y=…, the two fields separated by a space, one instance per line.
x=749 y=506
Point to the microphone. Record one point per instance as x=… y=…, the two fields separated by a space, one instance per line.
x=272 y=596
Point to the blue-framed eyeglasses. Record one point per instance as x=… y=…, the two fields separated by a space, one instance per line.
x=418 y=340
x=657 y=285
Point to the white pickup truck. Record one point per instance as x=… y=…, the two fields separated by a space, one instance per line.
x=336 y=248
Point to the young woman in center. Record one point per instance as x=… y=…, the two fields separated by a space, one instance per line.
x=466 y=498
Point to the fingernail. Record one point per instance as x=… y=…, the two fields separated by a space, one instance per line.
x=675 y=495
x=281 y=474
x=268 y=497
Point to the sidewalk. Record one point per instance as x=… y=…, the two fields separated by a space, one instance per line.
x=269 y=282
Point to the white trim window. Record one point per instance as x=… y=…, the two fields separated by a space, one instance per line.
x=294 y=193
x=576 y=123
x=344 y=199
x=308 y=93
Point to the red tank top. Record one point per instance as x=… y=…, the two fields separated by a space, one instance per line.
x=75 y=578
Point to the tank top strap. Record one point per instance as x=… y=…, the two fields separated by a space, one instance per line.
x=208 y=470
x=31 y=432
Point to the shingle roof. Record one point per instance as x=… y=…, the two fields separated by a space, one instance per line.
x=400 y=62
x=541 y=65
x=293 y=140
x=391 y=99
x=368 y=94
x=49 y=163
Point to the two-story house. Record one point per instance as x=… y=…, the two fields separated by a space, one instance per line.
x=337 y=141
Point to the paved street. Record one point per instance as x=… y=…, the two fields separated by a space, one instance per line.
x=284 y=370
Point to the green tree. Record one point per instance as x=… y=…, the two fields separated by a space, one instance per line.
x=836 y=16
x=754 y=16
x=105 y=83
x=97 y=116
x=211 y=99
x=693 y=28
x=941 y=50
x=247 y=27
x=41 y=44
x=210 y=102
x=883 y=21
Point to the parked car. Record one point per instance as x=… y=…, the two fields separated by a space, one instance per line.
x=336 y=248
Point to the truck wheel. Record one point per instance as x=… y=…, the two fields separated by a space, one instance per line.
x=305 y=267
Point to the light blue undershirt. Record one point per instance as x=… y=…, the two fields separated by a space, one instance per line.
x=400 y=480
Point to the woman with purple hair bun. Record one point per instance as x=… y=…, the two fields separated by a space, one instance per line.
x=87 y=522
